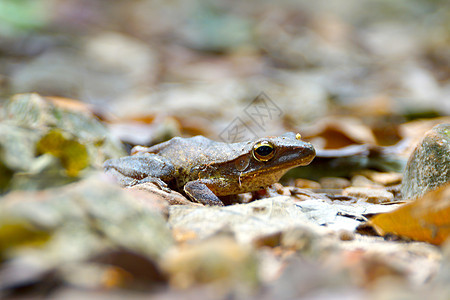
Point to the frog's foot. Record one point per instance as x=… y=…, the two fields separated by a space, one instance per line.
x=161 y=184
x=200 y=192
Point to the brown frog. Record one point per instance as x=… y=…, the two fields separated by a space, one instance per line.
x=204 y=169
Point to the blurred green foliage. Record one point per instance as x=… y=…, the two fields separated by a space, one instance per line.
x=18 y=15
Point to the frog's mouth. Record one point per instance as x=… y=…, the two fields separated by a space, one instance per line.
x=298 y=156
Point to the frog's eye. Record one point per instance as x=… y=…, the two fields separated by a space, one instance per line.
x=263 y=151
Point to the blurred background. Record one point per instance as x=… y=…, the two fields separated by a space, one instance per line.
x=362 y=80
x=165 y=68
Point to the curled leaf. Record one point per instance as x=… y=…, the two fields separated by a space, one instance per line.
x=425 y=219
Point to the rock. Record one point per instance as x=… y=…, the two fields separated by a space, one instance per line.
x=334 y=182
x=440 y=282
x=17 y=151
x=34 y=129
x=345 y=235
x=429 y=165
x=301 y=239
x=371 y=195
x=384 y=178
x=150 y=200
x=246 y=221
x=160 y=196
x=362 y=181
x=300 y=278
x=219 y=259
x=254 y=222
x=89 y=217
x=305 y=183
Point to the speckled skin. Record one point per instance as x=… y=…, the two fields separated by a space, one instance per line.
x=205 y=169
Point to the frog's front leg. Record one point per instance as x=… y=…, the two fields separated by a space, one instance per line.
x=132 y=170
x=199 y=191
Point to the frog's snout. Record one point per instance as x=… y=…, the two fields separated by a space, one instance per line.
x=309 y=153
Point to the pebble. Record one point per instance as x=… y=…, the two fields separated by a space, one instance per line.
x=371 y=195
x=346 y=235
x=334 y=182
x=307 y=184
x=384 y=178
x=362 y=181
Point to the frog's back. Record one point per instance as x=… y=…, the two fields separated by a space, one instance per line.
x=195 y=151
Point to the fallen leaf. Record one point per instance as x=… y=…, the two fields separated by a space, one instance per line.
x=335 y=133
x=19 y=233
x=426 y=219
x=71 y=105
x=73 y=155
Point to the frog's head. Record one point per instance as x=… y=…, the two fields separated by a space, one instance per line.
x=275 y=155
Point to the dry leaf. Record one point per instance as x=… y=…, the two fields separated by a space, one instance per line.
x=71 y=105
x=73 y=155
x=426 y=219
x=20 y=233
x=339 y=132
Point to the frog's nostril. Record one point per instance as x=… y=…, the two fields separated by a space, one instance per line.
x=307 y=149
x=309 y=152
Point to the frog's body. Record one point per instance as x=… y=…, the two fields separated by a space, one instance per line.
x=205 y=169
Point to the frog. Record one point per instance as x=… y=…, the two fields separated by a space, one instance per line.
x=205 y=170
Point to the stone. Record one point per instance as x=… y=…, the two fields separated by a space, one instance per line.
x=384 y=178
x=305 y=183
x=429 y=165
x=254 y=222
x=362 y=181
x=371 y=195
x=219 y=259
x=334 y=182
x=35 y=129
x=246 y=221
x=153 y=191
x=90 y=216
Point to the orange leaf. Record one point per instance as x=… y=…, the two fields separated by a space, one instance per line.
x=71 y=104
x=426 y=219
